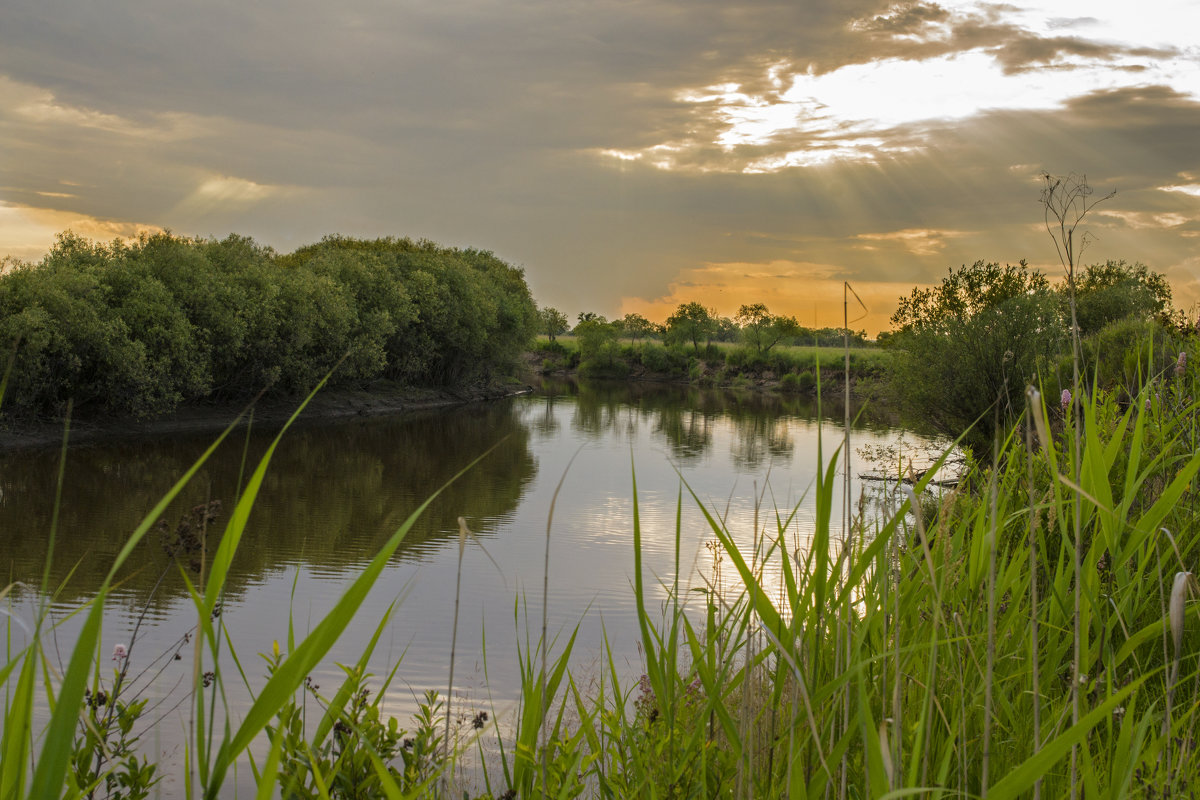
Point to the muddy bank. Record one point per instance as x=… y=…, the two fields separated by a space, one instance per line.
x=378 y=398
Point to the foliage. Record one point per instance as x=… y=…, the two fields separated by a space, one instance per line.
x=1114 y=291
x=693 y=323
x=340 y=762
x=967 y=348
x=762 y=330
x=597 y=341
x=798 y=382
x=725 y=330
x=105 y=750
x=139 y=328
x=636 y=327
x=552 y=322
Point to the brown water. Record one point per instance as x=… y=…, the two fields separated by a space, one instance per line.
x=337 y=490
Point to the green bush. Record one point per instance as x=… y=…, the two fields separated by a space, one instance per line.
x=141 y=327
x=657 y=358
x=798 y=382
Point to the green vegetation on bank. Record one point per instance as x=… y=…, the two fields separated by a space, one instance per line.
x=966 y=348
x=139 y=328
x=790 y=368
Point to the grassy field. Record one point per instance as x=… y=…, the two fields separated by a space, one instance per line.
x=781 y=359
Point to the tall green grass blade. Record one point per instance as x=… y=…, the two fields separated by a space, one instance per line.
x=1021 y=778
x=301 y=661
x=57 y=745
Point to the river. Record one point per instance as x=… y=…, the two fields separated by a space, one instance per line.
x=336 y=490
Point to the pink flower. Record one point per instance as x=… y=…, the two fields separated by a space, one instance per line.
x=1147 y=403
x=1181 y=363
x=120 y=653
x=1066 y=398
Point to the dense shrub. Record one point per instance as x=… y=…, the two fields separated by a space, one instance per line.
x=799 y=382
x=656 y=358
x=140 y=327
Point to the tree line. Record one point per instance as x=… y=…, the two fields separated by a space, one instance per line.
x=694 y=326
x=140 y=327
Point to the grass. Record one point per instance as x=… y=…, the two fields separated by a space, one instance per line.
x=930 y=657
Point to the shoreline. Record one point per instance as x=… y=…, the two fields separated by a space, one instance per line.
x=376 y=399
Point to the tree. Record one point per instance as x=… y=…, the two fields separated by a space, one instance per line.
x=597 y=341
x=725 y=329
x=967 y=348
x=761 y=329
x=1114 y=291
x=636 y=326
x=691 y=322
x=553 y=322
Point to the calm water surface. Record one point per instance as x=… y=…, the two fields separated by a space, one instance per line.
x=336 y=491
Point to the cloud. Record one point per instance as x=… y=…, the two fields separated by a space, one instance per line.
x=917 y=241
x=27 y=231
x=226 y=192
x=612 y=149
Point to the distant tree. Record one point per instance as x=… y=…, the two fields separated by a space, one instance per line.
x=553 y=322
x=597 y=341
x=762 y=330
x=691 y=322
x=588 y=316
x=635 y=326
x=726 y=330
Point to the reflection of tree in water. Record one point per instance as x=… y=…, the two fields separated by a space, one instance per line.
x=758 y=437
x=687 y=417
x=333 y=494
x=688 y=431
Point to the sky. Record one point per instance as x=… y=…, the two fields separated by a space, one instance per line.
x=629 y=155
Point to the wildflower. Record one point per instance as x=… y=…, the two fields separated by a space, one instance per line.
x=120 y=653
x=1147 y=402
x=1066 y=398
x=1181 y=363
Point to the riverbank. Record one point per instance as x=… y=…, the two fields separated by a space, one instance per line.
x=375 y=399
x=383 y=397
x=865 y=384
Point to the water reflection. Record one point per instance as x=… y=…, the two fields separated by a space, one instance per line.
x=333 y=495
x=686 y=417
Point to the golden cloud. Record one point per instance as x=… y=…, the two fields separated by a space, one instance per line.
x=809 y=291
x=28 y=233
